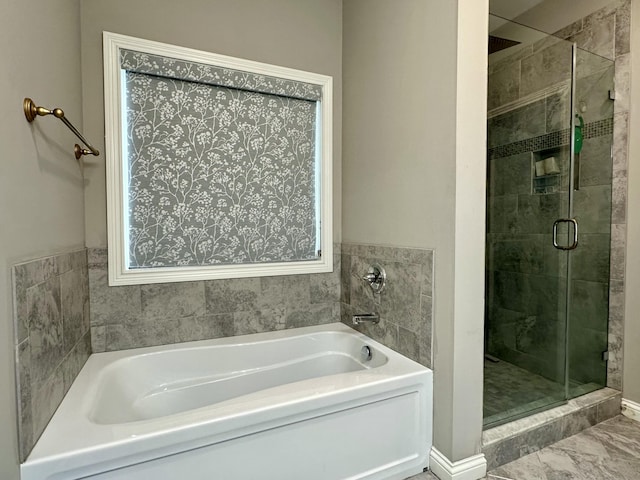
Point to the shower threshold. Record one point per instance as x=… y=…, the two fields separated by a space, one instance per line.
x=512 y=440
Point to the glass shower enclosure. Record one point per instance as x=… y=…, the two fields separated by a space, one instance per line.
x=549 y=177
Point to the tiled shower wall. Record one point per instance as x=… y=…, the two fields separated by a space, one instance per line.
x=143 y=315
x=520 y=256
x=53 y=340
x=404 y=307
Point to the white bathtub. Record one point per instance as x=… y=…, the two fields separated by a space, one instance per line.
x=298 y=404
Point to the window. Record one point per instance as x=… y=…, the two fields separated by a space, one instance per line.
x=217 y=167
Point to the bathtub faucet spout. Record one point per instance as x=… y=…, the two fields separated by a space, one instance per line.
x=366 y=318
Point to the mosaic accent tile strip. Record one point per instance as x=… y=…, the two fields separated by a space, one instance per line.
x=551 y=140
x=599 y=128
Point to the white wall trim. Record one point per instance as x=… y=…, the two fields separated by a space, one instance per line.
x=470 y=468
x=631 y=409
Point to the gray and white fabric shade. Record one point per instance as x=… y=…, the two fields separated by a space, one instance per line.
x=221 y=165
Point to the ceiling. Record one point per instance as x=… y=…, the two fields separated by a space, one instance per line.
x=511 y=8
x=508 y=9
x=544 y=15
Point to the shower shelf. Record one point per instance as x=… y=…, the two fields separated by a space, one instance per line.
x=543 y=185
x=550 y=183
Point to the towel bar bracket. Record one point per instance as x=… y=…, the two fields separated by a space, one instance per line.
x=31 y=111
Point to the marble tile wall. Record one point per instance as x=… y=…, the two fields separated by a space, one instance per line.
x=145 y=315
x=405 y=306
x=519 y=257
x=525 y=301
x=53 y=338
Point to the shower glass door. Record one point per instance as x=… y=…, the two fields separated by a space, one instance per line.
x=588 y=277
x=542 y=349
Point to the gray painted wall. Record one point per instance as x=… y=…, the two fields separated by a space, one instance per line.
x=390 y=146
x=389 y=170
x=302 y=34
x=413 y=159
x=41 y=207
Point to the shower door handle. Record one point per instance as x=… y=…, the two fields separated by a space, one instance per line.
x=573 y=244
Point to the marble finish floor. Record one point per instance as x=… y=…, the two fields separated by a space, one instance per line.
x=510 y=391
x=607 y=451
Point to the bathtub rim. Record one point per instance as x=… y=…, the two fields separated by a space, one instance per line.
x=109 y=446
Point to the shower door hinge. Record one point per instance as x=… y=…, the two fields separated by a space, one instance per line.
x=612 y=94
x=319 y=253
x=605 y=355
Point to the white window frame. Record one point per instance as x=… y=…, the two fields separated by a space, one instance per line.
x=117 y=208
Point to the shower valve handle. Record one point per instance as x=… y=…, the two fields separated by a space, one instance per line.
x=376 y=277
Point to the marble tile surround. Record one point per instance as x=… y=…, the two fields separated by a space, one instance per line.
x=53 y=339
x=144 y=315
x=405 y=306
x=64 y=310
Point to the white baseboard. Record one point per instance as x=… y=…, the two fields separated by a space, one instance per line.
x=470 y=468
x=631 y=409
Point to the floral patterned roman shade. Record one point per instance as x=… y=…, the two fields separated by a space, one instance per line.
x=221 y=165
x=161 y=66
